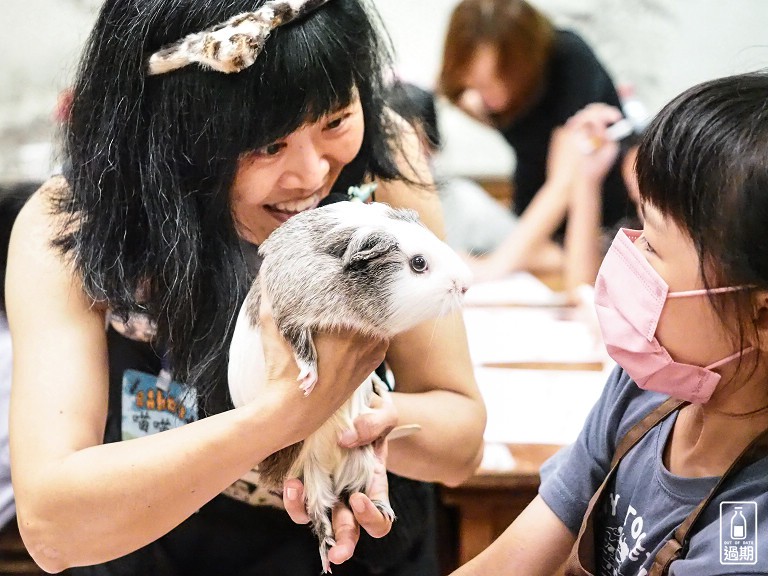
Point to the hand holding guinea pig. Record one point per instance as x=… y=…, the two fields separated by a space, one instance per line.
x=346 y=356
x=373 y=428
x=351 y=357
x=365 y=267
x=361 y=512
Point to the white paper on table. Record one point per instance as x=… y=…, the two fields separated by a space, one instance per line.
x=518 y=289
x=538 y=406
x=517 y=335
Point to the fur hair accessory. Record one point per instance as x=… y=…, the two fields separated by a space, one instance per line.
x=233 y=45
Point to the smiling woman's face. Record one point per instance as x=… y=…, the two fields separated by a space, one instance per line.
x=294 y=173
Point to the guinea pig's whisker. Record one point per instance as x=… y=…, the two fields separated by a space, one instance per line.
x=445 y=307
x=431 y=339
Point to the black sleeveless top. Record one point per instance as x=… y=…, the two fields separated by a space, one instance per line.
x=574 y=78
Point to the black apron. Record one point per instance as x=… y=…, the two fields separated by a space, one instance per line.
x=581 y=561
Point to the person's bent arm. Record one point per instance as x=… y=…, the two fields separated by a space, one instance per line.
x=529 y=245
x=575 y=175
x=436 y=388
x=584 y=139
x=81 y=502
x=535 y=544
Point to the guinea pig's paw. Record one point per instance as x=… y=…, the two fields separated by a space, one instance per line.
x=307 y=376
x=385 y=509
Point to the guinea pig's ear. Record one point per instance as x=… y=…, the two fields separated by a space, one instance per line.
x=404 y=214
x=365 y=246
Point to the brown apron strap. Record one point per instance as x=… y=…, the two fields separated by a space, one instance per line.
x=582 y=559
x=676 y=545
x=650 y=420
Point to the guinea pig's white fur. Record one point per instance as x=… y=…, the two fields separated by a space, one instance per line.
x=350 y=265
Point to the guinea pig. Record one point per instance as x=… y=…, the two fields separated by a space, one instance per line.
x=367 y=267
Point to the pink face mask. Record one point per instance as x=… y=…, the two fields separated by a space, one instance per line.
x=629 y=297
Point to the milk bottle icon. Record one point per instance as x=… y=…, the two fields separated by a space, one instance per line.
x=738 y=525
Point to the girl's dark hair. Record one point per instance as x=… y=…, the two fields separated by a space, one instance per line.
x=522 y=35
x=703 y=162
x=151 y=160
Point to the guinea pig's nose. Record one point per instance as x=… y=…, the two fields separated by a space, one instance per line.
x=460 y=287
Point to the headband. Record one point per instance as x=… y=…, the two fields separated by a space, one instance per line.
x=233 y=45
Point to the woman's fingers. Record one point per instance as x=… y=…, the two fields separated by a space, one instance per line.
x=346 y=532
x=594 y=116
x=368 y=516
x=293 y=500
x=369 y=427
x=347 y=521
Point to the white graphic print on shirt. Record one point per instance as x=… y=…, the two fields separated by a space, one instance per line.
x=623 y=551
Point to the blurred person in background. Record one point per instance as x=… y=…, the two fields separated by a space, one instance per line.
x=475 y=223
x=506 y=65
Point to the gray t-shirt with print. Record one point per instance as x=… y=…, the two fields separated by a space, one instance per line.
x=645 y=502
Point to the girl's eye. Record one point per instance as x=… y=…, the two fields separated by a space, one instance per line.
x=271 y=149
x=646 y=245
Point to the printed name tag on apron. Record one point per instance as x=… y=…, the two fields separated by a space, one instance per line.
x=155 y=403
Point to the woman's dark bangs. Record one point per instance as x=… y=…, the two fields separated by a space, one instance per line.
x=310 y=75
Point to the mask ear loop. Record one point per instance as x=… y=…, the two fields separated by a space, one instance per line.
x=705 y=291
x=721 y=290
x=731 y=358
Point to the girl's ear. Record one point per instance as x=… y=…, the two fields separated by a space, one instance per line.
x=760 y=317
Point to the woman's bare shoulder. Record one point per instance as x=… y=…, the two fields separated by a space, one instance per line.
x=40 y=210
x=33 y=256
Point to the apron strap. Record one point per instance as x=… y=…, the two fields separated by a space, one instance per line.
x=582 y=558
x=678 y=544
x=639 y=430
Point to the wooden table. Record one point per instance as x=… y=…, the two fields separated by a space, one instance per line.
x=14 y=558
x=488 y=502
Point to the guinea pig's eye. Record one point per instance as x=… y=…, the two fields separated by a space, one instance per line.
x=419 y=264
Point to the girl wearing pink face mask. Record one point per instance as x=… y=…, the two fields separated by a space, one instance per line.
x=669 y=473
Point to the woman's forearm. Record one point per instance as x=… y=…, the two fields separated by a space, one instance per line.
x=102 y=502
x=536 y=225
x=583 y=236
x=448 y=449
x=436 y=388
